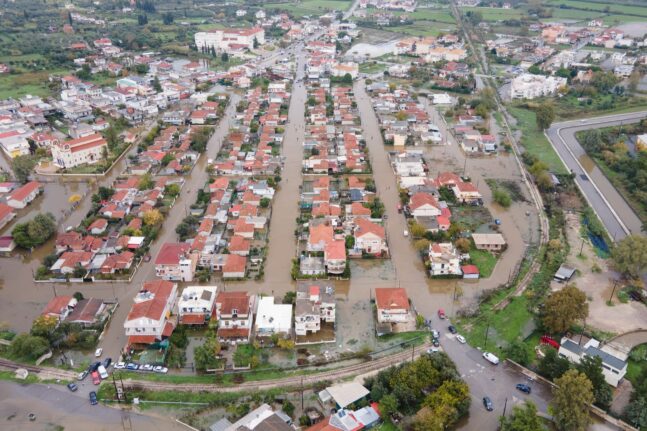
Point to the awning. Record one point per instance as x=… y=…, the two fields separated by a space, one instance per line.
x=141 y=339
x=192 y=319
x=168 y=329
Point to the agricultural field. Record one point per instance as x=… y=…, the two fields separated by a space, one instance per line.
x=310 y=7
x=496 y=14
x=433 y=15
x=602 y=7
x=573 y=14
x=422 y=28
x=34 y=83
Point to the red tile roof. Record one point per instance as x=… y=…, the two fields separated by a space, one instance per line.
x=170 y=253
x=388 y=298
x=21 y=193
x=154 y=307
x=229 y=301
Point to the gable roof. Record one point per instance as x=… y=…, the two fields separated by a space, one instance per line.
x=390 y=298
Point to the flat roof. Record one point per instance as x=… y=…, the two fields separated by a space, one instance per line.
x=347 y=393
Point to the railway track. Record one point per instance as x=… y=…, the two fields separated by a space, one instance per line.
x=291 y=381
x=48 y=371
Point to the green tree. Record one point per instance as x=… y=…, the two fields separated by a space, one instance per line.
x=112 y=138
x=264 y=202
x=563 y=308
x=35 y=232
x=288 y=408
x=172 y=190
x=22 y=166
x=523 y=418
x=518 y=352
x=156 y=85
x=553 y=366
x=224 y=57
x=350 y=241
x=43 y=326
x=388 y=406
x=592 y=141
x=502 y=197
x=636 y=411
x=28 y=346
x=604 y=81
x=591 y=366
x=630 y=255
x=449 y=402
x=205 y=356
x=545 y=115
x=571 y=400
x=146 y=182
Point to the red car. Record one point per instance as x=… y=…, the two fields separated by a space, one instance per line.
x=441 y=313
x=96 y=379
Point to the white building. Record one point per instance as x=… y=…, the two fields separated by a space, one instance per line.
x=148 y=319
x=315 y=303
x=614 y=367
x=86 y=150
x=444 y=259
x=230 y=40
x=14 y=143
x=195 y=304
x=529 y=86
x=272 y=318
x=392 y=305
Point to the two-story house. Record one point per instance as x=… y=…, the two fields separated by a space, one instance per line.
x=370 y=237
x=315 y=303
x=235 y=312
x=149 y=318
x=174 y=262
x=195 y=305
x=392 y=305
x=444 y=259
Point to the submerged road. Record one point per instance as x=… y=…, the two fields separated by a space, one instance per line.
x=613 y=210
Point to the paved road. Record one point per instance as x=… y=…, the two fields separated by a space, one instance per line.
x=616 y=214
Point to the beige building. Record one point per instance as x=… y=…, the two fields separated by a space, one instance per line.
x=86 y=150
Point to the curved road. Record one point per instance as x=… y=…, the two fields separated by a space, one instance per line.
x=615 y=213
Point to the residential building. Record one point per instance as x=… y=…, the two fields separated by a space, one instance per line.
x=22 y=196
x=489 y=241
x=262 y=418
x=6 y=214
x=529 y=86
x=235 y=312
x=424 y=205
x=444 y=259
x=14 y=143
x=392 y=305
x=335 y=257
x=174 y=262
x=370 y=237
x=85 y=150
x=315 y=303
x=466 y=192
x=196 y=304
x=272 y=318
x=614 y=365
x=149 y=318
x=230 y=40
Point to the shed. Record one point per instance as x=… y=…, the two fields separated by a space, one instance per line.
x=346 y=393
x=470 y=272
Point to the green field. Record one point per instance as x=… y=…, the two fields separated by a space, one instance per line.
x=34 y=83
x=484 y=261
x=310 y=7
x=496 y=14
x=534 y=141
x=432 y=15
x=573 y=14
x=421 y=28
x=622 y=19
x=603 y=7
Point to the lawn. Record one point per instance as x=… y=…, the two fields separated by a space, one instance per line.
x=34 y=83
x=623 y=19
x=502 y=326
x=433 y=15
x=600 y=6
x=637 y=363
x=573 y=14
x=371 y=67
x=484 y=260
x=534 y=141
x=421 y=28
x=496 y=14
x=310 y=7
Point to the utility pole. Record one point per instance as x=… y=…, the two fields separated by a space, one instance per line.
x=487 y=329
x=413 y=350
x=114 y=382
x=505 y=405
x=301 y=393
x=615 y=283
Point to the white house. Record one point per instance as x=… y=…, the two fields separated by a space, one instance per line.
x=272 y=318
x=195 y=304
x=392 y=305
x=174 y=262
x=369 y=237
x=22 y=196
x=87 y=149
x=230 y=39
x=148 y=319
x=235 y=312
x=424 y=205
x=529 y=86
x=315 y=303
x=614 y=366
x=444 y=259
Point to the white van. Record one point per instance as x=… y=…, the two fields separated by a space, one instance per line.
x=491 y=358
x=102 y=372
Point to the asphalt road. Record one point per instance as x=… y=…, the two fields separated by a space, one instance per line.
x=612 y=209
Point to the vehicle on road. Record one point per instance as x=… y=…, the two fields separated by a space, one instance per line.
x=82 y=375
x=487 y=403
x=452 y=329
x=94 y=366
x=461 y=339
x=434 y=334
x=435 y=342
x=146 y=367
x=96 y=379
x=120 y=365
x=131 y=366
x=432 y=350
x=103 y=373
x=406 y=233
x=93 y=398
x=160 y=369
x=107 y=362
x=491 y=358
x=441 y=313
x=524 y=388
x=98 y=352
x=72 y=387
x=497 y=221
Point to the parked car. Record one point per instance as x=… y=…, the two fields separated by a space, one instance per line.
x=160 y=369
x=82 y=375
x=146 y=367
x=434 y=334
x=103 y=373
x=452 y=329
x=96 y=379
x=432 y=350
x=524 y=388
x=406 y=233
x=93 y=398
x=107 y=362
x=490 y=357
x=120 y=365
x=98 y=352
x=131 y=366
x=435 y=342
x=487 y=403
x=94 y=366
x=441 y=313
x=461 y=339
x=72 y=387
